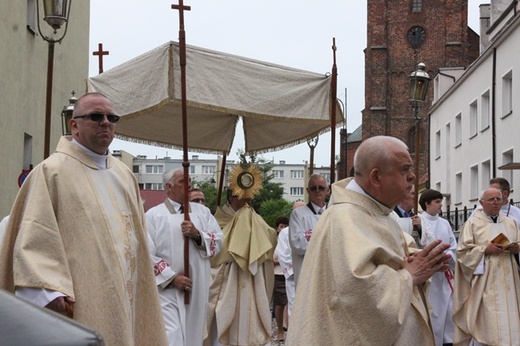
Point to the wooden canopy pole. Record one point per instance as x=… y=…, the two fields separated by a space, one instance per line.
x=185 y=162
x=333 y=102
x=221 y=179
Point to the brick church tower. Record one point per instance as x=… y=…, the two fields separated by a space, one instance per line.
x=401 y=34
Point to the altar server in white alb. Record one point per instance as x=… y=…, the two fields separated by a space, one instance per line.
x=167 y=229
x=440 y=291
x=302 y=221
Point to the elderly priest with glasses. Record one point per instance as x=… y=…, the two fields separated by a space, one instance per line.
x=303 y=219
x=76 y=241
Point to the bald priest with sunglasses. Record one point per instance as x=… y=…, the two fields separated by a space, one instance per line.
x=302 y=221
x=76 y=240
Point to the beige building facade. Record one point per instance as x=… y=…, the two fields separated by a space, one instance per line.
x=23 y=86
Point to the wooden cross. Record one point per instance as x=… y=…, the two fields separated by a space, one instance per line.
x=184 y=106
x=100 y=52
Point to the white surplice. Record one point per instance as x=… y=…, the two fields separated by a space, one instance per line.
x=301 y=225
x=440 y=291
x=184 y=323
x=283 y=251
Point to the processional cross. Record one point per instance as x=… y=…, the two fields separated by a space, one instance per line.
x=185 y=162
x=100 y=52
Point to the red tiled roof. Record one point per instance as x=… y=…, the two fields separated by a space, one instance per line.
x=151 y=198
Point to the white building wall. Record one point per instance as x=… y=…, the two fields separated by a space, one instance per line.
x=463 y=170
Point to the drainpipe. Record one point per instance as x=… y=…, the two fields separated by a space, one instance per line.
x=493 y=115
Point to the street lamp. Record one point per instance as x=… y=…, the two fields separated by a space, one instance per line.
x=419 y=81
x=312 y=143
x=66 y=115
x=56 y=13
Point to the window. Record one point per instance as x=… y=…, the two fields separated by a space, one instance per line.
x=208 y=169
x=153 y=186
x=486 y=174
x=192 y=169
x=507 y=157
x=458 y=130
x=484 y=111
x=458 y=188
x=278 y=174
x=136 y=169
x=31 y=15
x=474 y=185
x=296 y=191
x=297 y=174
x=507 y=94
x=438 y=145
x=326 y=176
x=473 y=117
x=154 y=169
x=416 y=5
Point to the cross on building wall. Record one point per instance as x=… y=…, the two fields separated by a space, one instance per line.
x=100 y=52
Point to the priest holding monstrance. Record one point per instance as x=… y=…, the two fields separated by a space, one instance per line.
x=243 y=272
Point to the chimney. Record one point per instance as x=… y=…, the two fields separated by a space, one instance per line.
x=485 y=23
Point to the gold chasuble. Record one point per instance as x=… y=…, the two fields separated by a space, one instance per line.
x=353 y=289
x=81 y=231
x=243 y=280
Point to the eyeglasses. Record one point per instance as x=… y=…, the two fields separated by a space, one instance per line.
x=98 y=117
x=317 y=188
x=198 y=200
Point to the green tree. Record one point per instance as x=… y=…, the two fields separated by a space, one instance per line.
x=210 y=193
x=272 y=209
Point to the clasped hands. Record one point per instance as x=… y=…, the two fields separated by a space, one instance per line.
x=423 y=264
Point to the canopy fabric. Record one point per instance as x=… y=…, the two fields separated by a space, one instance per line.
x=280 y=106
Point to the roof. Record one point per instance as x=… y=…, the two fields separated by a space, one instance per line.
x=152 y=198
x=355 y=136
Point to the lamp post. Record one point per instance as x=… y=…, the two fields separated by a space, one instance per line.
x=419 y=81
x=312 y=143
x=66 y=115
x=56 y=13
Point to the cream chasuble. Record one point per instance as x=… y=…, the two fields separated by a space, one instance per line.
x=80 y=231
x=486 y=306
x=353 y=289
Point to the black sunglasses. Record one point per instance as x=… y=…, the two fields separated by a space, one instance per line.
x=98 y=117
x=198 y=200
x=317 y=188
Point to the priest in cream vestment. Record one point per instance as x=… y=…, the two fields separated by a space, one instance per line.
x=355 y=288
x=77 y=230
x=486 y=305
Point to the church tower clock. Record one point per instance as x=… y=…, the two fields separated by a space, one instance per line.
x=401 y=34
